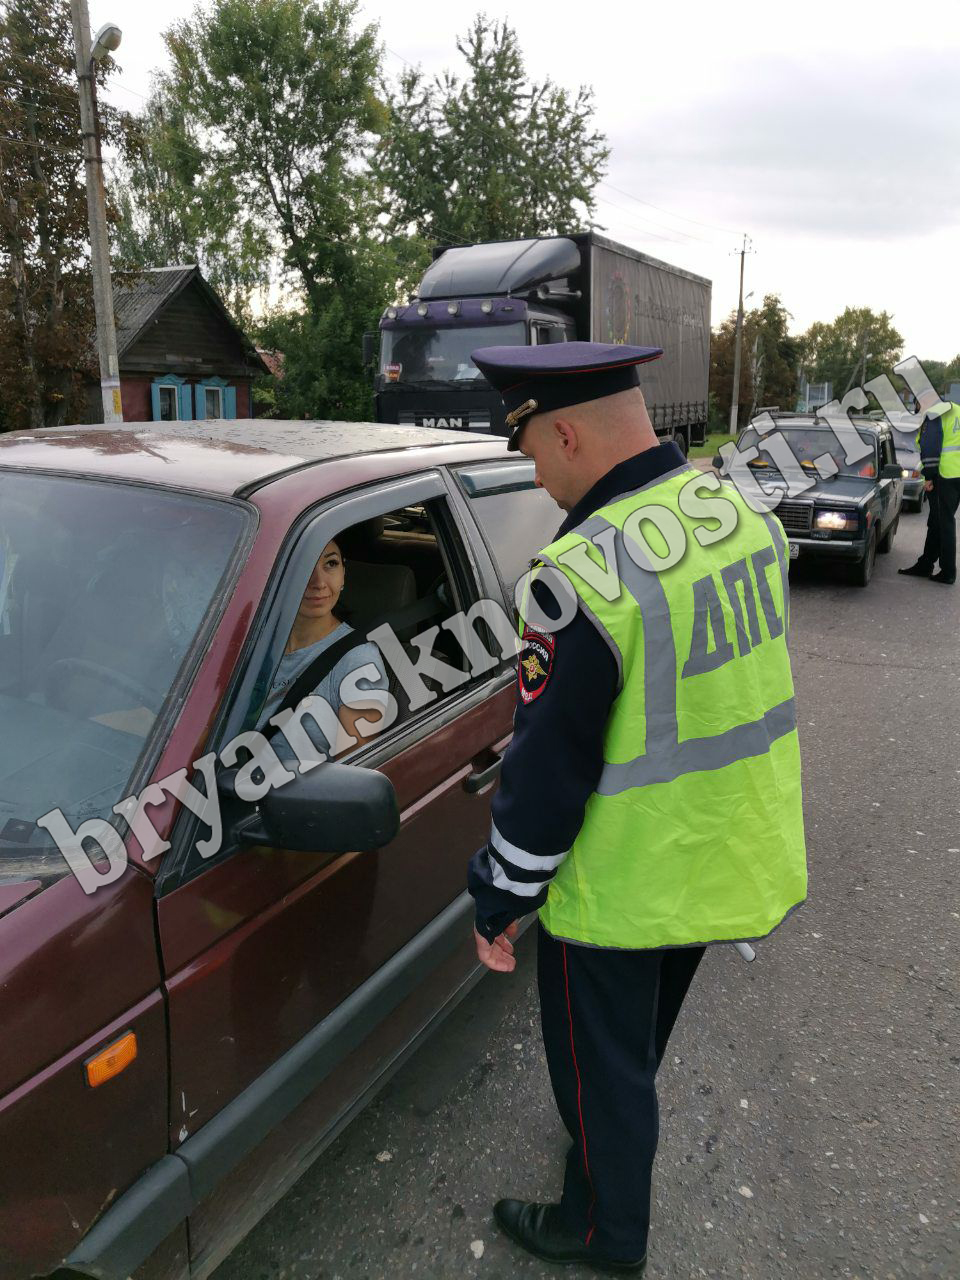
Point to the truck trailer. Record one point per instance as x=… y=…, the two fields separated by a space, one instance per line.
x=529 y=292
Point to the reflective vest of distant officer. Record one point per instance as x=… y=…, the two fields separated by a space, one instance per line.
x=950 y=449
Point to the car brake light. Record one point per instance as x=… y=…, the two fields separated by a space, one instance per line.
x=111 y=1061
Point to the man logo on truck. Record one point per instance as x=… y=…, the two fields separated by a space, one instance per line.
x=452 y=423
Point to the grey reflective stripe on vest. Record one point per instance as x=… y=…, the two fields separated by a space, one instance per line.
x=777 y=538
x=666 y=758
x=611 y=643
x=701 y=755
x=950 y=448
x=660 y=664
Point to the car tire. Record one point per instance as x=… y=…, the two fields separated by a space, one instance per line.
x=886 y=545
x=862 y=571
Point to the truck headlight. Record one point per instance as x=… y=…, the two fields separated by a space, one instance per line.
x=837 y=521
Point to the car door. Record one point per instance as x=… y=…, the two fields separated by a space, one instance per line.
x=892 y=489
x=263 y=948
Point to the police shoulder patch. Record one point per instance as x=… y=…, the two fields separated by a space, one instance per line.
x=537 y=657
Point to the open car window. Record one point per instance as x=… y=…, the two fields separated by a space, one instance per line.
x=379 y=594
x=405 y=645
x=103 y=588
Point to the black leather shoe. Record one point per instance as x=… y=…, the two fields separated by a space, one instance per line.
x=537 y=1228
x=916 y=571
x=942 y=577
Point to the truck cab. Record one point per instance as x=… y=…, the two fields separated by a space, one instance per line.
x=479 y=296
x=533 y=292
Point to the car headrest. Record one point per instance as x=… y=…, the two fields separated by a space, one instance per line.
x=371 y=590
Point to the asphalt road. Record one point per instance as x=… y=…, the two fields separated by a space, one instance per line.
x=809 y=1102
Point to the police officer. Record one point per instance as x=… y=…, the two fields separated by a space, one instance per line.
x=939 y=443
x=650 y=799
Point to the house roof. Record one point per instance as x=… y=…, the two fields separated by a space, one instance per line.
x=139 y=296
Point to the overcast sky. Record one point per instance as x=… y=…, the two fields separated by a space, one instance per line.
x=829 y=132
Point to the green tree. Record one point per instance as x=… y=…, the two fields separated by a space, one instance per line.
x=174 y=209
x=855 y=347
x=492 y=155
x=258 y=136
x=46 y=302
x=768 y=365
x=942 y=372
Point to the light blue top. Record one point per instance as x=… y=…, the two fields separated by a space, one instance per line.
x=291 y=667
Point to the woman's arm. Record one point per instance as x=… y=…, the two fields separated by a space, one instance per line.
x=363 y=696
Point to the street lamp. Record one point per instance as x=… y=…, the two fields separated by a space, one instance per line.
x=107 y=40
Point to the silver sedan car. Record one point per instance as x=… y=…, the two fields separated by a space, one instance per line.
x=908 y=456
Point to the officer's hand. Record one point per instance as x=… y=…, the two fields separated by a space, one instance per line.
x=928 y=485
x=498 y=954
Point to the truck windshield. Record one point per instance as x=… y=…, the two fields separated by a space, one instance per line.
x=103 y=588
x=442 y=355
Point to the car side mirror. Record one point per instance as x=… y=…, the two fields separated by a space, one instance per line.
x=892 y=471
x=717 y=461
x=369 y=351
x=335 y=808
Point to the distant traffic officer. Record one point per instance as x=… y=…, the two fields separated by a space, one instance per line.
x=650 y=799
x=939 y=443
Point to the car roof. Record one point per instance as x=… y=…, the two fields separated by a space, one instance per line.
x=220 y=456
x=811 y=420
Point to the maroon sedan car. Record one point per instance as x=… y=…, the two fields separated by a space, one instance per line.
x=203 y=979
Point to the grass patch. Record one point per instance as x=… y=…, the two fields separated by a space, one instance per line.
x=710 y=445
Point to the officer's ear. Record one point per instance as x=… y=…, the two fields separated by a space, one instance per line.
x=566 y=436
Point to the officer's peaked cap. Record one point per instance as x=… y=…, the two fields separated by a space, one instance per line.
x=541 y=379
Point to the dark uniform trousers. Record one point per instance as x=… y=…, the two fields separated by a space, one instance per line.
x=941 y=541
x=607 y=1016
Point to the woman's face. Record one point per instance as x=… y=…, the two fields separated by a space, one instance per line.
x=325 y=585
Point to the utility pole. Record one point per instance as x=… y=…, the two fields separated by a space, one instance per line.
x=738 y=343
x=108 y=38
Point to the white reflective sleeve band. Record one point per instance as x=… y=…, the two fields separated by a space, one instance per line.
x=520 y=857
x=520 y=887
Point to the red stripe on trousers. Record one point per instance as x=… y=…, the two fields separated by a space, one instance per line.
x=576 y=1070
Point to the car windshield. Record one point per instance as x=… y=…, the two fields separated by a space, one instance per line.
x=905 y=443
x=809 y=443
x=102 y=590
x=441 y=355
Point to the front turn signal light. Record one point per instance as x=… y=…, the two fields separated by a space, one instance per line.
x=111 y=1061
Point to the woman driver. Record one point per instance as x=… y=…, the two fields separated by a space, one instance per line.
x=315 y=630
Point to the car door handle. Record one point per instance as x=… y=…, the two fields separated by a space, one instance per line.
x=476 y=781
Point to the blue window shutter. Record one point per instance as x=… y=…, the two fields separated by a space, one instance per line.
x=155 y=401
x=186 y=402
x=229 y=402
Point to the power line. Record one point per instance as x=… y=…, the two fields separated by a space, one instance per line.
x=637 y=224
x=712 y=226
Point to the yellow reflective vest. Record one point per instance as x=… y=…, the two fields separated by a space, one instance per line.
x=950 y=452
x=695 y=831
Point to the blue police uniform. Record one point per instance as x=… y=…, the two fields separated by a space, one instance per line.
x=606 y=1014
x=940 y=543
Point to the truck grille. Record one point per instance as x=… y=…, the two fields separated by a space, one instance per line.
x=796 y=517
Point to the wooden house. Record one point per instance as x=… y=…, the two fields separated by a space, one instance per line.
x=181 y=355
